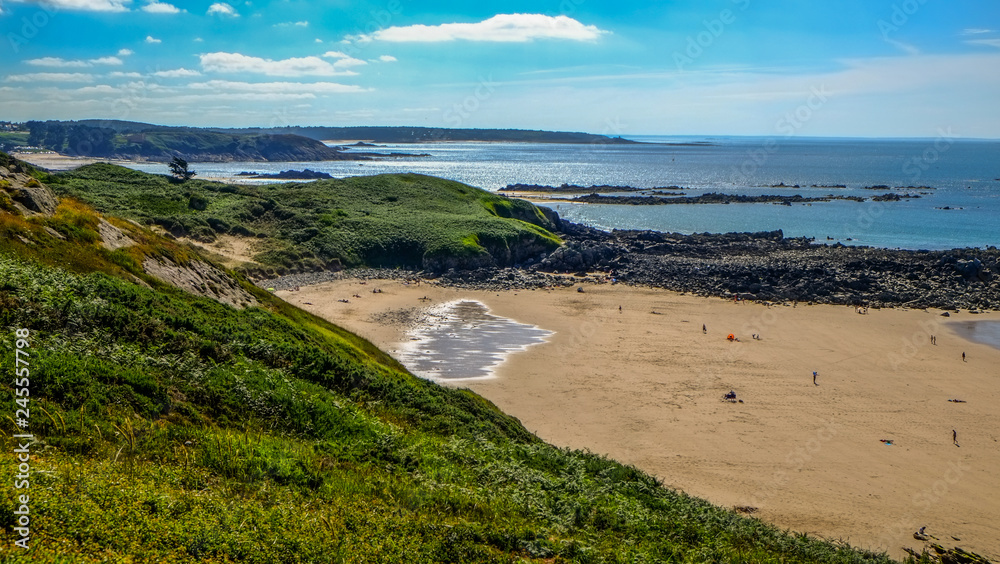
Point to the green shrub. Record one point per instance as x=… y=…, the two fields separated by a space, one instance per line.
x=198 y=203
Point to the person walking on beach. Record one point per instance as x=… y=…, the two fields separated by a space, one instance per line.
x=963 y=356
x=954 y=437
x=814 y=378
x=704 y=329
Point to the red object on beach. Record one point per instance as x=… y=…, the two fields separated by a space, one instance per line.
x=731 y=337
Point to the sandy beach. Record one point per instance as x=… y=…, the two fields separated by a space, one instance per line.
x=58 y=162
x=645 y=386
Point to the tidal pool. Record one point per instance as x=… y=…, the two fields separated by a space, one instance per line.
x=462 y=339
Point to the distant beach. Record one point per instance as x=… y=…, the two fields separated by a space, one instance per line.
x=645 y=386
x=57 y=162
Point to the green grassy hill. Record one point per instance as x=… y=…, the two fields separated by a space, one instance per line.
x=380 y=134
x=405 y=220
x=204 y=146
x=406 y=134
x=97 y=139
x=172 y=428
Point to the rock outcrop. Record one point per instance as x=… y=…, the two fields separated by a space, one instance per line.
x=768 y=266
x=113 y=238
x=26 y=194
x=200 y=278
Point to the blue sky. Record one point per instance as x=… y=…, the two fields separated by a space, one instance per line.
x=865 y=68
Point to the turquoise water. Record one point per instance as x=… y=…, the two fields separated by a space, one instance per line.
x=462 y=339
x=965 y=175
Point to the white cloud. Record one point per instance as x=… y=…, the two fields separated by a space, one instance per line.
x=276 y=87
x=501 y=27
x=118 y=74
x=318 y=40
x=51 y=77
x=151 y=39
x=57 y=62
x=142 y=85
x=160 y=8
x=198 y=40
x=348 y=63
x=302 y=23
x=223 y=9
x=106 y=61
x=124 y=52
x=86 y=5
x=98 y=89
x=388 y=59
x=343 y=60
x=990 y=42
x=904 y=47
x=177 y=73
x=976 y=31
x=298 y=66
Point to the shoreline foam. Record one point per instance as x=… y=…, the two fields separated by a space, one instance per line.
x=442 y=321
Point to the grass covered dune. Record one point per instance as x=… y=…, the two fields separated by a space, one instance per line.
x=394 y=220
x=172 y=428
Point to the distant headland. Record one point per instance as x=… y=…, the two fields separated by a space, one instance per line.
x=128 y=140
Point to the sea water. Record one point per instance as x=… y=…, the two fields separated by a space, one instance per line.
x=964 y=175
x=462 y=339
x=985 y=332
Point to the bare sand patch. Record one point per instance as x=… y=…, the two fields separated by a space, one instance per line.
x=234 y=250
x=646 y=389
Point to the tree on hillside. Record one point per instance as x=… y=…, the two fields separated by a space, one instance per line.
x=36 y=132
x=179 y=168
x=55 y=137
x=86 y=141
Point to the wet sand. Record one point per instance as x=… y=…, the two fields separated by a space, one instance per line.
x=645 y=387
x=461 y=340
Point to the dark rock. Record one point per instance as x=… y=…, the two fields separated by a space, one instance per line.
x=709 y=198
x=770 y=267
x=304 y=174
x=573 y=188
x=894 y=197
x=37 y=199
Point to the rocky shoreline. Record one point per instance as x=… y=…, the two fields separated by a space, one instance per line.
x=763 y=266
x=718 y=198
x=577 y=189
x=709 y=198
